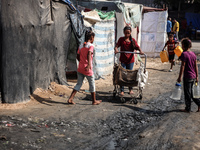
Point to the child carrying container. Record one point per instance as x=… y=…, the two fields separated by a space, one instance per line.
x=189 y=71
x=85 y=56
x=171 y=45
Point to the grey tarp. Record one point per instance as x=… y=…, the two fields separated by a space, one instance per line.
x=34 y=45
x=78 y=27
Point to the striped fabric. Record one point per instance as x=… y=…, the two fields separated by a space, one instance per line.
x=104 y=43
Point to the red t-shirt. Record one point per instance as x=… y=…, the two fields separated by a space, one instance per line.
x=126 y=46
x=171 y=47
x=83 y=52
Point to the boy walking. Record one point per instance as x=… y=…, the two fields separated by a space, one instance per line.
x=189 y=72
x=171 y=45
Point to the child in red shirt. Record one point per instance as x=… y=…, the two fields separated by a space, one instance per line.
x=129 y=44
x=171 y=45
x=85 y=56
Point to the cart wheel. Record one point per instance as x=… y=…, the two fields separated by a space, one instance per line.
x=114 y=94
x=140 y=97
x=135 y=101
x=122 y=100
x=131 y=101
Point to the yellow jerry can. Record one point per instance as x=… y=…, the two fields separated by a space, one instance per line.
x=178 y=51
x=164 y=56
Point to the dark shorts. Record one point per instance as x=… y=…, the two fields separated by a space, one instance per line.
x=171 y=57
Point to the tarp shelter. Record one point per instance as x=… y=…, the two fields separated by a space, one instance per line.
x=107 y=32
x=104 y=45
x=103 y=25
x=148 y=24
x=104 y=31
x=35 y=37
x=154 y=24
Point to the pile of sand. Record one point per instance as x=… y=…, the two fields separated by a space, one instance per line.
x=40 y=94
x=60 y=90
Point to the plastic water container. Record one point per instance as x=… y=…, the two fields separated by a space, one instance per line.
x=176 y=93
x=196 y=90
x=178 y=51
x=164 y=56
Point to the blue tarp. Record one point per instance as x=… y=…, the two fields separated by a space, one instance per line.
x=194 y=18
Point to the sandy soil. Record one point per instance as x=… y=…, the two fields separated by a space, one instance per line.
x=48 y=122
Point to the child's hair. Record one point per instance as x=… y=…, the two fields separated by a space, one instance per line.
x=131 y=39
x=186 y=43
x=171 y=35
x=88 y=35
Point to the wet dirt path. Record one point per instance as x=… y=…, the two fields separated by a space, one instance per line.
x=156 y=123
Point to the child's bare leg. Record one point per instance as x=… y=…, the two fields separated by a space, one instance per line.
x=122 y=90
x=172 y=63
x=198 y=109
x=131 y=90
x=122 y=93
x=70 y=100
x=94 y=101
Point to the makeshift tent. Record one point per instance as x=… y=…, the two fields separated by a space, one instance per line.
x=148 y=24
x=154 y=32
x=126 y=13
x=104 y=43
x=106 y=34
x=34 y=46
x=132 y=14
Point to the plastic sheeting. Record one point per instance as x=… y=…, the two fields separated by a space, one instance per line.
x=120 y=27
x=132 y=13
x=154 y=32
x=194 y=18
x=35 y=40
x=100 y=5
x=106 y=15
x=90 y=18
x=104 y=47
x=78 y=26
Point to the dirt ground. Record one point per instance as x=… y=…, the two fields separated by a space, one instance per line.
x=48 y=122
